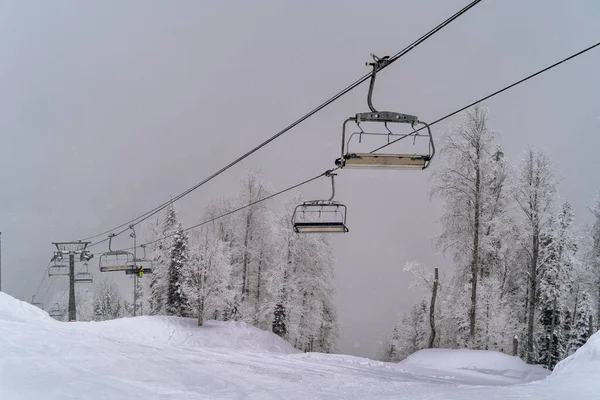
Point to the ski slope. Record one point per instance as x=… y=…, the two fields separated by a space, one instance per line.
x=172 y=358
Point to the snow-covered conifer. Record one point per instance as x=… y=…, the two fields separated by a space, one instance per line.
x=176 y=301
x=580 y=332
x=534 y=193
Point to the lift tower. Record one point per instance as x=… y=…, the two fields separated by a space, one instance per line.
x=72 y=249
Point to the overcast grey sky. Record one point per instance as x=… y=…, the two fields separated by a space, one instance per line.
x=106 y=107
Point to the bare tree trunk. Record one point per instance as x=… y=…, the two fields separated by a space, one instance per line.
x=475 y=260
x=532 y=292
x=246 y=257
x=432 y=308
x=257 y=306
x=551 y=343
x=201 y=301
x=487 y=324
x=201 y=312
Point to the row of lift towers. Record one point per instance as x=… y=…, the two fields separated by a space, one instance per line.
x=314 y=216
x=110 y=261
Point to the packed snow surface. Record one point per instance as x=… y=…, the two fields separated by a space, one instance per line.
x=172 y=358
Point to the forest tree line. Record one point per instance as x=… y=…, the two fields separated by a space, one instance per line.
x=524 y=273
x=249 y=266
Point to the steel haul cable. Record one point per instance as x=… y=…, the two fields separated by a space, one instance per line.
x=349 y=88
x=556 y=64
x=236 y=210
x=435 y=122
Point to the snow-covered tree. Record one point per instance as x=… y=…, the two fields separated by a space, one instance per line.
x=161 y=256
x=279 y=326
x=84 y=295
x=107 y=301
x=409 y=335
x=250 y=242
x=594 y=254
x=558 y=247
x=581 y=330
x=389 y=350
x=534 y=192
x=470 y=181
x=247 y=266
x=430 y=284
x=300 y=287
x=177 y=302
x=207 y=275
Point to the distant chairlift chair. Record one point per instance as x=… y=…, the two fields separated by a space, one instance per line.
x=351 y=159
x=320 y=216
x=58 y=269
x=56 y=312
x=141 y=266
x=117 y=260
x=36 y=303
x=84 y=276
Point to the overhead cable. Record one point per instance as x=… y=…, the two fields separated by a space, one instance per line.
x=349 y=88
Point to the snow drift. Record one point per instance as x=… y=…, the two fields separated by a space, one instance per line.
x=481 y=361
x=585 y=361
x=173 y=358
x=11 y=308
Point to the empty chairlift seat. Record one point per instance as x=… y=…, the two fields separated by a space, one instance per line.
x=382 y=128
x=58 y=270
x=84 y=276
x=115 y=261
x=56 y=312
x=320 y=217
x=388 y=161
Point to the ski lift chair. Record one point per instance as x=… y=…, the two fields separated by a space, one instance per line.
x=141 y=266
x=56 y=312
x=36 y=303
x=352 y=159
x=115 y=260
x=58 y=270
x=320 y=216
x=84 y=276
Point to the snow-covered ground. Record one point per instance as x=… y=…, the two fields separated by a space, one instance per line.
x=172 y=358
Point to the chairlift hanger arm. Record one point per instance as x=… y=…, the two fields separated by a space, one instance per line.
x=381 y=116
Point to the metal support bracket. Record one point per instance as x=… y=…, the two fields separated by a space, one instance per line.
x=386 y=116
